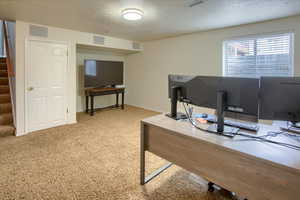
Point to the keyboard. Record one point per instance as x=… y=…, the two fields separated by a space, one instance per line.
x=242 y=125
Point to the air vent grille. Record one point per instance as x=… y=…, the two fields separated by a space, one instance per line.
x=136 y=45
x=38 y=31
x=99 y=40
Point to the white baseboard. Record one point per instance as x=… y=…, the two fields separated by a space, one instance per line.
x=72 y=122
x=146 y=108
x=20 y=134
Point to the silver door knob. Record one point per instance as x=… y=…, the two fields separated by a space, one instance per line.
x=30 y=88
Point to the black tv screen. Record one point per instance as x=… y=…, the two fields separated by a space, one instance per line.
x=102 y=73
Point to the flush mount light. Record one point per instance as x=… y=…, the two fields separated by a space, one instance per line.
x=132 y=14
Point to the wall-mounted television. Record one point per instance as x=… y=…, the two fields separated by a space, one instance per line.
x=98 y=73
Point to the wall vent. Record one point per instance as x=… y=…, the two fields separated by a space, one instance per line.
x=99 y=40
x=38 y=31
x=136 y=45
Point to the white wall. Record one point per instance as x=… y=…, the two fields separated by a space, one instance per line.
x=56 y=34
x=194 y=54
x=82 y=54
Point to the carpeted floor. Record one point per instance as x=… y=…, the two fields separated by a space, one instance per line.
x=97 y=158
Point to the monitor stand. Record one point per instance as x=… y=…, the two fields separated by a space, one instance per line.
x=296 y=125
x=178 y=116
x=228 y=130
x=219 y=128
x=175 y=92
x=295 y=128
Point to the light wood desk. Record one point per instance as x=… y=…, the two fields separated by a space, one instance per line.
x=252 y=169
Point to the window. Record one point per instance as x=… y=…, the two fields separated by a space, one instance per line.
x=258 y=56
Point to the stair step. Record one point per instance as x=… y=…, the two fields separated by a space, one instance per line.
x=3 y=66
x=5 y=108
x=5 y=98
x=4 y=89
x=6 y=119
x=3 y=81
x=6 y=131
x=2 y=60
x=3 y=73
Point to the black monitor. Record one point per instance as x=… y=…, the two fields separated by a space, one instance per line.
x=237 y=95
x=241 y=93
x=280 y=98
x=177 y=92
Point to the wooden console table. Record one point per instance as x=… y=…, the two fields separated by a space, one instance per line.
x=92 y=92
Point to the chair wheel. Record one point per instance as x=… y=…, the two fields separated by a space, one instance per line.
x=211 y=187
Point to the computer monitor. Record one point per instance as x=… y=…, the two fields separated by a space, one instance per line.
x=202 y=91
x=241 y=93
x=280 y=98
x=179 y=81
x=177 y=92
x=238 y=95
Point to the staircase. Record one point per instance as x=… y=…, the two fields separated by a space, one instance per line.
x=6 y=115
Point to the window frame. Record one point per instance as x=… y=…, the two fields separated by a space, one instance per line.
x=291 y=34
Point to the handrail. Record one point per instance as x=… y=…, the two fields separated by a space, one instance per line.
x=10 y=70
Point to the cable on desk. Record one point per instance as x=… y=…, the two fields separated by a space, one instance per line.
x=192 y=122
x=262 y=139
x=284 y=133
x=250 y=137
x=195 y=125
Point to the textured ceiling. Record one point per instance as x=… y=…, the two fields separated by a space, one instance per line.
x=163 y=18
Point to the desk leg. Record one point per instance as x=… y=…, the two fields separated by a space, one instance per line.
x=122 y=101
x=143 y=179
x=142 y=156
x=87 y=104
x=117 y=99
x=92 y=105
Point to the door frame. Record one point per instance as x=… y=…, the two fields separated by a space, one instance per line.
x=26 y=73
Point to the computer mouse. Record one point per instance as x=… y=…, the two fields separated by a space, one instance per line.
x=204 y=115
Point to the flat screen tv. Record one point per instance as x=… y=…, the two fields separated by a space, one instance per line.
x=98 y=73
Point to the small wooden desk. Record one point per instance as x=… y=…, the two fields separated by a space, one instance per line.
x=251 y=169
x=92 y=92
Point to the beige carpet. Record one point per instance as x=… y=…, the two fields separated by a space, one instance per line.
x=97 y=158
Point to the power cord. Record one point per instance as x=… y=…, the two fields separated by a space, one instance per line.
x=200 y=128
x=262 y=138
x=192 y=122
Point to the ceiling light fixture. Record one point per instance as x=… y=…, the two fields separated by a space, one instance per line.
x=132 y=14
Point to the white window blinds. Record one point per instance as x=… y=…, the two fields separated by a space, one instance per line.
x=259 y=56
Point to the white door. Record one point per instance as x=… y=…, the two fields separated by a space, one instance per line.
x=45 y=90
